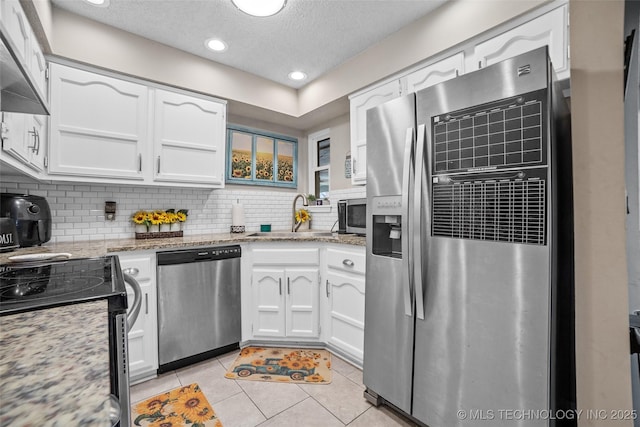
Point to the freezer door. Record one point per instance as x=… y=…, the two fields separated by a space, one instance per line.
x=388 y=339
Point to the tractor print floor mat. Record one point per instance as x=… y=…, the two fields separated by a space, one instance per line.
x=286 y=365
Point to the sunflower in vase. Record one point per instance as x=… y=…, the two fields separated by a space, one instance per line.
x=142 y=221
x=303 y=219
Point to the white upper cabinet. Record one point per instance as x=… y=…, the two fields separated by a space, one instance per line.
x=17 y=28
x=189 y=136
x=435 y=73
x=98 y=125
x=37 y=64
x=549 y=29
x=105 y=129
x=24 y=139
x=14 y=136
x=36 y=134
x=360 y=103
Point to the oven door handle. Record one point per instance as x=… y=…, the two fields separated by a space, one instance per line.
x=132 y=316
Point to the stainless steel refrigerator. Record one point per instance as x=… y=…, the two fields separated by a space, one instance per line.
x=469 y=300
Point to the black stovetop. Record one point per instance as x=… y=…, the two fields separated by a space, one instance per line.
x=31 y=286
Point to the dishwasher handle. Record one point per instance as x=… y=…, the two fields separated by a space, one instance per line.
x=132 y=316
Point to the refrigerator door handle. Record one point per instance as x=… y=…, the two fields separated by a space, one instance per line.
x=417 y=218
x=406 y=228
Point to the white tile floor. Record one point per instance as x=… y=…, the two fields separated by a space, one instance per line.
x=241 y=403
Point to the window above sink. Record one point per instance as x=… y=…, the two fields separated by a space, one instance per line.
x=255 y=157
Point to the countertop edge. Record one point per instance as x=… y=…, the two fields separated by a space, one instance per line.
x=90 y=248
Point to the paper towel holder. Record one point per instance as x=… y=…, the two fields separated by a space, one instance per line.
x=238 y=228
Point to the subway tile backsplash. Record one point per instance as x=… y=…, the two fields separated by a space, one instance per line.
x=78 y=209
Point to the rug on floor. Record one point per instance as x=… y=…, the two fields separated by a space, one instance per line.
x=181 y=407
x=287 y=365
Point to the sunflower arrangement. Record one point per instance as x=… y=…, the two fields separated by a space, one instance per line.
x=157 y=217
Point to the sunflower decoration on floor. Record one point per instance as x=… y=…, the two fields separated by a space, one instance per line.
x=182 y=407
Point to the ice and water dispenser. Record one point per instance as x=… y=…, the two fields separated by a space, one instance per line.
x=387 y=226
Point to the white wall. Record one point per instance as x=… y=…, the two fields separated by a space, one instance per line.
x=601 y=286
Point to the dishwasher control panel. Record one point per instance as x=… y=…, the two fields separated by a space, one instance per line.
x=214 y=253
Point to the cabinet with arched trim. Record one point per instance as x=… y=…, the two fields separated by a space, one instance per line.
x=344 y=290
x=285 y=290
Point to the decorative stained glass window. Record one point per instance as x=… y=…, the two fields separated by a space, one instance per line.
x=261 y=158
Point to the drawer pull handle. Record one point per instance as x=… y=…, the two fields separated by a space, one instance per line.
x=348 y=263
x=131 y=271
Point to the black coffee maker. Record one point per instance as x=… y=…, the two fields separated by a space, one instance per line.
x=31 y=215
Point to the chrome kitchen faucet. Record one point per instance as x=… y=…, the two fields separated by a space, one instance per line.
x=295 y=225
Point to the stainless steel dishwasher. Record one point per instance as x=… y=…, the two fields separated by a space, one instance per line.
x=198 y=304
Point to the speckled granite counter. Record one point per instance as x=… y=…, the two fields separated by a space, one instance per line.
x=102 y=247
x=54 y=367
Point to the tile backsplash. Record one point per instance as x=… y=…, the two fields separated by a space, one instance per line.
x=78 y=209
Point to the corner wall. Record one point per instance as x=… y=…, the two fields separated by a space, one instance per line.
x=602 y=335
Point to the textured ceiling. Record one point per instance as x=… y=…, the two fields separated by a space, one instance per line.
x=313 y=36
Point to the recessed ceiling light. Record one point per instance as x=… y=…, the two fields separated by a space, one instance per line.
x=260 y=7
x=216 y=45
x=297 y=75
x=100 y=3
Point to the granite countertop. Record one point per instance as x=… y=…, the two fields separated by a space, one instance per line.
x=49 y=377
x=102 y=247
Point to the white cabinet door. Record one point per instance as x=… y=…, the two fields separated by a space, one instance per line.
x=37 y=64
x=269 y=301
x=98 y=125
x=345 y=293
x=302 y=302
x=549 y=29
x=435 y=73
x=24 y=138
x=359 y=104
x=189 y=139
x=143 y=335
x=36 y=128
x=14 y=136
x=17 y=28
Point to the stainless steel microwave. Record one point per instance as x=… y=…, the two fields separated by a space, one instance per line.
x=352 y=216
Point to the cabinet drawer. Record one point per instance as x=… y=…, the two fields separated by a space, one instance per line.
x=302 y=256
x=142 y=266
x=350 y=261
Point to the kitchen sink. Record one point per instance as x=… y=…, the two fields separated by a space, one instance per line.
x=291 y=234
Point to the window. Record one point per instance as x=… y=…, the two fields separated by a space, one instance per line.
x=319 y=160
x=261 y=158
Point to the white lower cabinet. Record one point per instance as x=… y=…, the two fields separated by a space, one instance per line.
x=285 y=292
x=143 y=335
x=344 y=289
